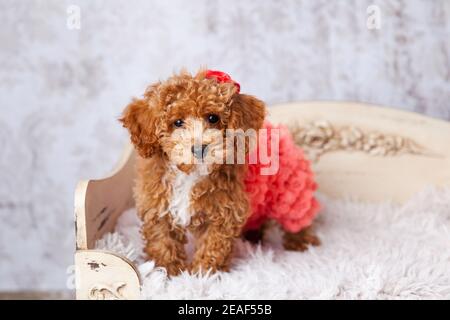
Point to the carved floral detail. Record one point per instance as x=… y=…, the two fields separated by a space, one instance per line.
x=320 y=137
x=107 y=292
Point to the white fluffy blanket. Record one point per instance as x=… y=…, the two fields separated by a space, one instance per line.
x=368 y=251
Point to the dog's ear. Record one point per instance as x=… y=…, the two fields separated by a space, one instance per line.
x=247 y=112
x=141 y=120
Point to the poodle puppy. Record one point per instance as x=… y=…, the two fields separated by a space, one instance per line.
x=188 y=179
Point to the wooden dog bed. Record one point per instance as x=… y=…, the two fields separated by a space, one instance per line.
x=360 y=151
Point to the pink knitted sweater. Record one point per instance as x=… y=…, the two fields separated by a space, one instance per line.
x=286 y=196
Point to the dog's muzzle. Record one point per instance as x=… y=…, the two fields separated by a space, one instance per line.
x=199 y=151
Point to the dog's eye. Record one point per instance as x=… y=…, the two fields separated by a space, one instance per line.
x=178 y=123
x=213 y=118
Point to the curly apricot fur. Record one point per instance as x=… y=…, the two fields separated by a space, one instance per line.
x=219 y=204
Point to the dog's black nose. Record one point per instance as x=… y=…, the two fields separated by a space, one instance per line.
x=199 y=150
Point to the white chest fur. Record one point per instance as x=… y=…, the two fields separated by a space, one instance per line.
x=180 y=202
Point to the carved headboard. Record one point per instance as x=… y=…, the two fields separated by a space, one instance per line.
x=369 y=152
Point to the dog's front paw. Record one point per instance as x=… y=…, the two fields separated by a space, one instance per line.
x=207 y=267
x=175 y=268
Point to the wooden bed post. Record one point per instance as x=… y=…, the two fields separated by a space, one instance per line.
x=98 y=204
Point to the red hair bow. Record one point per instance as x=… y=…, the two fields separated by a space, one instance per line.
x=222 y=77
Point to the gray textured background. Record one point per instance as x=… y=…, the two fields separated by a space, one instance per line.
x=62 y=90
